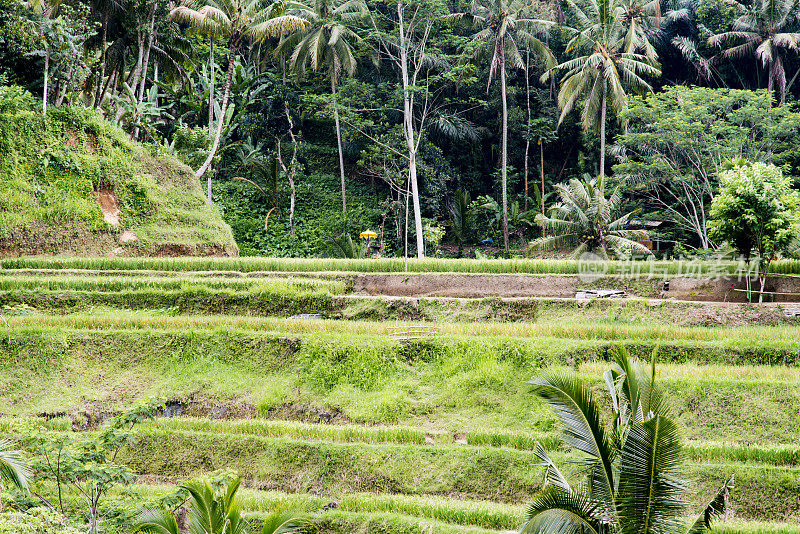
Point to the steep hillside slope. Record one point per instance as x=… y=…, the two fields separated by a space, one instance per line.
x=72 y=183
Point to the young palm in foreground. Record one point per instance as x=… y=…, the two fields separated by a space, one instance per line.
x=213 y=513
x=14 y=470
x=634 y=469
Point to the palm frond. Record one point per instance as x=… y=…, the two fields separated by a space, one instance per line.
x=579 y=413
x=651 y=490
x=716 y=508
x=13 y=467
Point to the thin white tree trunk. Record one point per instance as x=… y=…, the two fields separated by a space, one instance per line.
x=339 y=142
x=408 y=130
x=213 y=71
x=504 y=151
x=46 y=78
x=528 y=128
x=145 y=67
x=223 y=110
x=134 y=75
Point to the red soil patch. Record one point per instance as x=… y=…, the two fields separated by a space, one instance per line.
x=109 y=203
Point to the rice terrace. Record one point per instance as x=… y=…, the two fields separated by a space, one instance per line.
x=399 y=267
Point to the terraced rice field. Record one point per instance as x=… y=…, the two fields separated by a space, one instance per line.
x=368 y=431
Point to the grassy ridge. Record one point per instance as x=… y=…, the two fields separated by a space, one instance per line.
x=105 y=284
x=277 y=296
x=784 y=337
x=499 y=474
x=455 y=382
x=502 y=266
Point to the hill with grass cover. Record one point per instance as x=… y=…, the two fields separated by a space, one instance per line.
x=73 y=183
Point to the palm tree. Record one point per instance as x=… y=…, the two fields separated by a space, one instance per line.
x=589 y=222
x=211 y=512
x=634 y=469
x=14 y=469
x=47 y=10
x=616 y=54
x=764 y=30
x=504 y=25
x=463 y=218
x=327 y=42
x=235 y=20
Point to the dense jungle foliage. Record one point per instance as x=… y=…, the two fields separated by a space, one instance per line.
x=313 y=122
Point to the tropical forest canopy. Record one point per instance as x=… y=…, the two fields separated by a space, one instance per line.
x=311 y=122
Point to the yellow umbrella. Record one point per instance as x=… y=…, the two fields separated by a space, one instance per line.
x=368 y=234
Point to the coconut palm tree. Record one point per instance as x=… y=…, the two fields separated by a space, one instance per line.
x=47 y=10
x=14 y=469
x=635 y=480
x=587 y=221
x=764 y=29
x=326 y=43
x=213 y=512
x=613 y=57
x=504 y=25
x=236 y=20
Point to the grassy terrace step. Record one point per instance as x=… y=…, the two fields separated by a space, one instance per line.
x=158 y=281
x=262 y=296
x=775 y=338
x=449 y=515
x=788 y=455
x=388 y=513
x=462 y=265
x=281 y=299
x=700 y=451
x=499 y=474
x=530 y=266
x=454 y=382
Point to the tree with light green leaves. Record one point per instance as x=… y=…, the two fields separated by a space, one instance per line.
x=326 y=42
x=757 y=212
x=679 y=138
x=611 y=59
x=635 y=478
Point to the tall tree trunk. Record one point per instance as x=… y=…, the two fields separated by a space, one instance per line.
x=223 y=110
x=103 y=59
x=46 y=78
x=212 y=73
x=339 y=142
x=64 y=87
x=155 y=80
x=145 y=67
x=146 y=64
x=134 y=75
x=603 y=134
x=504 y=150
x=408 y=130
x=112 y=77
x=541 y=167
x=528 y=128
